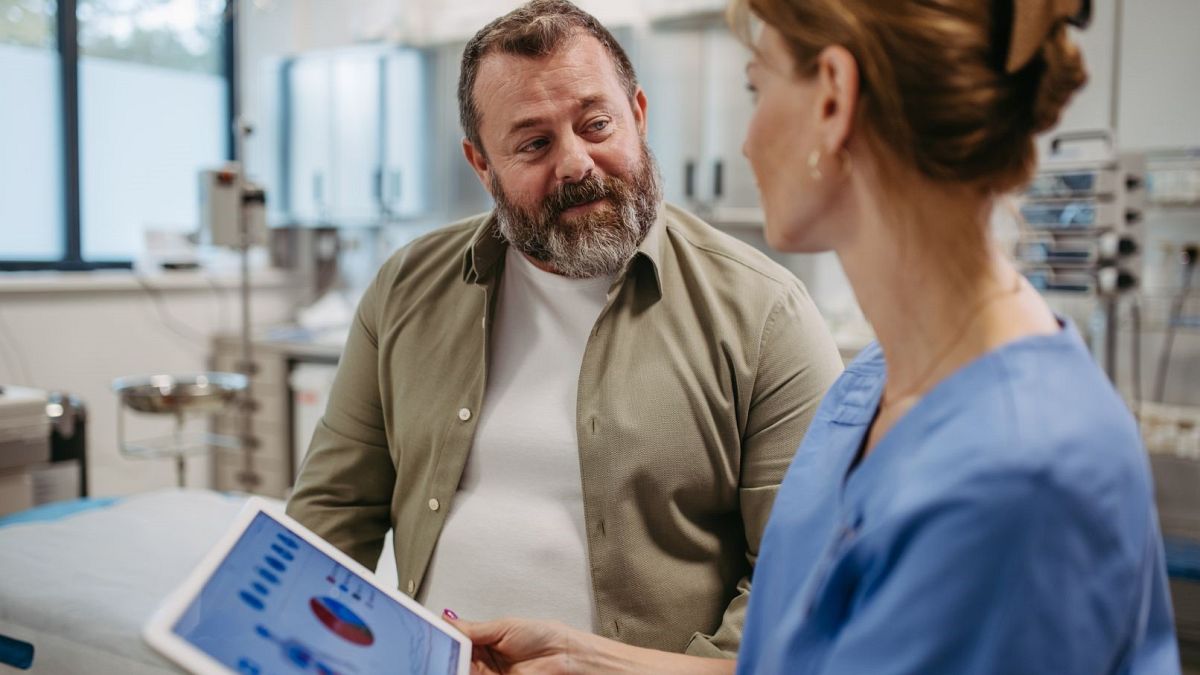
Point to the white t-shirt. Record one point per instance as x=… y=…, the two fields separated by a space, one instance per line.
x=514 y=542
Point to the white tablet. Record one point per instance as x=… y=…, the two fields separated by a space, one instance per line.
x=272 y=597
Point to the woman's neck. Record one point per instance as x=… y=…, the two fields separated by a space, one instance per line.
x=936 y=291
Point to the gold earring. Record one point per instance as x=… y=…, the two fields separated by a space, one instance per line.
x=814 y=159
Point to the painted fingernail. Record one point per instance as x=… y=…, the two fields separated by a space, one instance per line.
x=449 y=613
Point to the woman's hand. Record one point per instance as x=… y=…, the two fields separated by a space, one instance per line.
x=519 y=646
x=522 y=647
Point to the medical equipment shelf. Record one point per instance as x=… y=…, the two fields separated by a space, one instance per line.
x=1173 y=178
x=1081 y=232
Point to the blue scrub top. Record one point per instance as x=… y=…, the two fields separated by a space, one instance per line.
x=1006 y=524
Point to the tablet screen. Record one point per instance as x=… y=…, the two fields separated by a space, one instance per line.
x=277 y=604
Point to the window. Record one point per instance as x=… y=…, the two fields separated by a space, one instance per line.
x=151 y=93
x=31 y=211
x=112 y=128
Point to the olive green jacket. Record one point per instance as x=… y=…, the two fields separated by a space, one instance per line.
x=697 y=383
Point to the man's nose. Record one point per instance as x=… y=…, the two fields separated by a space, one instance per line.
x=574 y=162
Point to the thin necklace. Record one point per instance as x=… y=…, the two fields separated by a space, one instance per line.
x=960 y=332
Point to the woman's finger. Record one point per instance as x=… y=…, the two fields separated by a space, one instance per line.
x=483 y=660
x=480 y=632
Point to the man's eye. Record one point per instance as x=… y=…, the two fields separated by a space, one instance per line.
x=598 y=125
x=534 y=146
x=753 y=91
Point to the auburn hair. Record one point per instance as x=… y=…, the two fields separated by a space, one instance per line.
x=933 y=86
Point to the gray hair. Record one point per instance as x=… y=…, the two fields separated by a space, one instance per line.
x=536 y=29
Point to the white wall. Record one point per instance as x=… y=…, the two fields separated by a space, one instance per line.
x=1159 y=92
x=1092 y=106
x=77 y=332
x=1142 y=58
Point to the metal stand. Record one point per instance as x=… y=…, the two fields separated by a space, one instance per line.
x=1105 y=325
x=176 y=396
x=248 y=478
x=180 y=461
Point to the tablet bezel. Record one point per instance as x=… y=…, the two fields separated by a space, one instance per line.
x=158 y=631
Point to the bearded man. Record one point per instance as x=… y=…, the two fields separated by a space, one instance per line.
x=580 y=405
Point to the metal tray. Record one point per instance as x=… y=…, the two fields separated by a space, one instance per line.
x=179 y=394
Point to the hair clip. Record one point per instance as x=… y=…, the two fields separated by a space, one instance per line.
x=1082 y=18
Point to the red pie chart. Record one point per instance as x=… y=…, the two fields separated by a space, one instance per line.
x=341 y=621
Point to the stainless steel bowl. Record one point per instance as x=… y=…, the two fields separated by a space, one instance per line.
x=178 y=394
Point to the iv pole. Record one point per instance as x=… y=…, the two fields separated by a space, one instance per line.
x=247 y=477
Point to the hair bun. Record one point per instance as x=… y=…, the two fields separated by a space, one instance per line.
x=1063 y=74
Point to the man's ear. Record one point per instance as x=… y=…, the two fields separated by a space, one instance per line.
x=639 y=110
x=479 y=163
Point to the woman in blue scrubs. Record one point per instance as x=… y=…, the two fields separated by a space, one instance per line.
x=972 y=496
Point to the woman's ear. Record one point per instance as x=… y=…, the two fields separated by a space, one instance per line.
x=837 y=97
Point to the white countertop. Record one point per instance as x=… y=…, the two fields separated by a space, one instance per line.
x=129 y=280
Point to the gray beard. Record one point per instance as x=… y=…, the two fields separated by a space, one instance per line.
x=595 y=244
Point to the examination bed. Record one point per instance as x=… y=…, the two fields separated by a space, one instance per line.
x=78 y=580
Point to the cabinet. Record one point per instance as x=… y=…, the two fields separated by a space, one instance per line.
x=674 y=96
x=408 y=91
x=729 y=106
x=458 y=192
x=353 y=151
x=307 y=152
x=357 y=137
x=698 y=112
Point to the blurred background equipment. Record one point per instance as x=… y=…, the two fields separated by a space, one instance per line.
x=179 y=397
x=233 y=214
x=1082 y=216
x=24 y=445
x=42 y=450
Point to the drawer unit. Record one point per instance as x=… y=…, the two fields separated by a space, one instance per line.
x=273 y=474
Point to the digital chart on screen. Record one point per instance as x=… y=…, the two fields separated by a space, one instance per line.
x=277 y=604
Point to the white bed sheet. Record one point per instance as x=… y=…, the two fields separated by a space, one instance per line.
x=80 y=588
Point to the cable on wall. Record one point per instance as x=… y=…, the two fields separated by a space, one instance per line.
x=1188 y=258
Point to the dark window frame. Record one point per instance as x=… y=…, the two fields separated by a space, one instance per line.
x=67 y=36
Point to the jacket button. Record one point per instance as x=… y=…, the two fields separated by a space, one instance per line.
x=464 y=414
x=412 y=587
x=434 y=505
